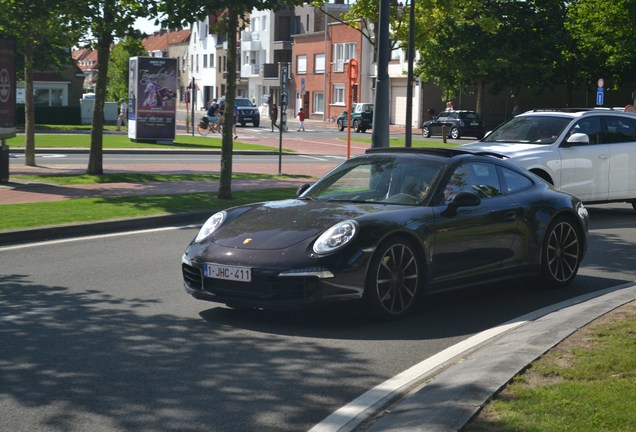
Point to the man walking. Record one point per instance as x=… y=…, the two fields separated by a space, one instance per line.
x=273 y=115
x=123 y=114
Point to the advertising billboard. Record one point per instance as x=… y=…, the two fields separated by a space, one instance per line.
x=152 y=94
x=7 y=87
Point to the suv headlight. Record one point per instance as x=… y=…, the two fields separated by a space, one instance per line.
x=336 y=237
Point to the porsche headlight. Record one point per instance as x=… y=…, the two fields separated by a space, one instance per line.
x=210 y=225
x=335 y=237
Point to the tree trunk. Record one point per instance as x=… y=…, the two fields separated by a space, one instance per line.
x=225 y=181
x=480 y=97
x=29 y=106
x=96 y=156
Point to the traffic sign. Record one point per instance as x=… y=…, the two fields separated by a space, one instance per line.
x=600 y=96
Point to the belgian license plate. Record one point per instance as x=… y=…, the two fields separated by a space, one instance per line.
x=474 y=124
x=233 y=273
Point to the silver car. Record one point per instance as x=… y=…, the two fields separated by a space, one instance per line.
x=588 y=153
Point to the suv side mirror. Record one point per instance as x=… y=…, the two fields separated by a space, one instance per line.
x=577 y=139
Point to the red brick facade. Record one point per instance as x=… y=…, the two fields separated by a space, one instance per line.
x=312 y=82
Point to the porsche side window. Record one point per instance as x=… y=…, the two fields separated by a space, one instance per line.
x=514 y=181
x=478 y=178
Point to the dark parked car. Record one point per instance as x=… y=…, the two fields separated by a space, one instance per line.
x=383 y=228
x=361 y=119
x=247 y=111
x=457 y=123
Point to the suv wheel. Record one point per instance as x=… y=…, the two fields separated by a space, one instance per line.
x=341 y=125
x=426 y=132
x=356 y=125
x=454 y=133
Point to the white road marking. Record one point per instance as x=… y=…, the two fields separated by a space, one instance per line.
x=93 y=237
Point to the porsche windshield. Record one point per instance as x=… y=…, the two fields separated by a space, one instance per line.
x=390 y=180
x=539 y=129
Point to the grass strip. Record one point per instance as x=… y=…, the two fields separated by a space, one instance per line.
x=76 y=179
x=588 y=386
x=121 y=141
x=82 y=210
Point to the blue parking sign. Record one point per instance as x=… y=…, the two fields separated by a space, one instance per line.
x=600 y=96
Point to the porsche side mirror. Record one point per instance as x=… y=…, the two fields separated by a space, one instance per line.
x=302 y=188
x=462 y=199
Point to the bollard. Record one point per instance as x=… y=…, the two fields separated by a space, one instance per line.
x=444 y=133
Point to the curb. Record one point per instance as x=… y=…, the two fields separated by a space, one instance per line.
x=97 y=228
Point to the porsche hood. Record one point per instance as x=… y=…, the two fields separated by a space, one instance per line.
x=281 y=224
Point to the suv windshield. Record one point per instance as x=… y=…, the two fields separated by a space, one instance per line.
x=243 y=102
x=530 y=129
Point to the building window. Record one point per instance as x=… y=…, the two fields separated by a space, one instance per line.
x=50 y=95
x=319 y=63
x=319 y=103
x=205 y=61
x=342 y=52
x=338 y=94
x=211 y=60
x=301 y=64
x=396 y=53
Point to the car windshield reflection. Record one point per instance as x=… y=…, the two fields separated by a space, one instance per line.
x=529 y=129
x=400 y=181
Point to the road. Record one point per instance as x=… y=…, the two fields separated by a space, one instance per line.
x=98 y=334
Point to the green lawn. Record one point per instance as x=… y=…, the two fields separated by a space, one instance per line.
x=121 y=141
x=586 y=384
x=83 y=210
x=76 y=179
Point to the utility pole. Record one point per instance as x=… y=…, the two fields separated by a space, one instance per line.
x=380 y=135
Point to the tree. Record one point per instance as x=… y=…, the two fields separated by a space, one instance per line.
x=604 y=34
x=42 y=29
x=232 y=17
x=105 y=21
x=500 y=42
x=117 y=86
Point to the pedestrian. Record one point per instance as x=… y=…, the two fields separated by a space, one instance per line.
x=450 y=106
x=515 y=110
x=213 y=117
x=301 y=120
x=273 y=115
x=123 y=114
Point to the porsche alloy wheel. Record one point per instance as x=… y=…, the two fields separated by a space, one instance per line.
x=454 y=133
x=562 y=253
x=426 y=132
x=393 y=280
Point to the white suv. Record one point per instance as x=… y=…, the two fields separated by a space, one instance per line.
x=589 y=153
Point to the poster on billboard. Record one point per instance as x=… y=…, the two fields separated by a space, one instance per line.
x=7 y=87
x=152 y=105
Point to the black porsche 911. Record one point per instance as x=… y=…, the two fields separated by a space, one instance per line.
x=386 y=227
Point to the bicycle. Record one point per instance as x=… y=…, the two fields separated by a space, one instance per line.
x=204 y=126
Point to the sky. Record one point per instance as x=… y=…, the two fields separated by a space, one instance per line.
x=146 y=25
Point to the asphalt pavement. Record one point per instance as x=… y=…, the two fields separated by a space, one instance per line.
x=442 y=393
